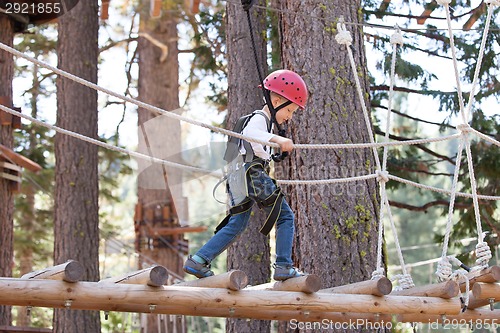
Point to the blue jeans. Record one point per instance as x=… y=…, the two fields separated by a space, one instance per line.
x=285 y=226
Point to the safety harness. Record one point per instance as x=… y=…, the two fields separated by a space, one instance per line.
x=254 y=166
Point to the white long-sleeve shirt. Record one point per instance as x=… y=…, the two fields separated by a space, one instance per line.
x=257 y=128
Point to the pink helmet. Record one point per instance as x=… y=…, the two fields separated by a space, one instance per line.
x=287 y=84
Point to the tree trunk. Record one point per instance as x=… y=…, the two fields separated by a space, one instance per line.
x=6 y=139
x=251 y=252
x=76 y=222
x=159 y=187
x=336 y=224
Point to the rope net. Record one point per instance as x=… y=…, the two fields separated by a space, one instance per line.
x=444 y=271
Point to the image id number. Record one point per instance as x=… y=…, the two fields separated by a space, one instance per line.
x=33 y=8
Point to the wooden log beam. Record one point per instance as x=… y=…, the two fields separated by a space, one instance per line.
x=70 y=271
x=475 y=303
x=488 y=275
x=486 y=290
x=154 y=276
x=470 y=316
x=447 y=289
x=307 y=284
x=233 y=280
x=377 y=287
x=39 y=292
x=352 y=318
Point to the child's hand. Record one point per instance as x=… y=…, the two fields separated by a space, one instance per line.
x=285 y=143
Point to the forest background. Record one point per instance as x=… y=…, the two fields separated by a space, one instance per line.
x=425 y=105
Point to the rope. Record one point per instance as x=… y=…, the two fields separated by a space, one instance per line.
x=216 y=129
x=445 y=272
x=195 y=169
x=483 y=253
x=328 y=19
x=446 y=3
x=344 y=37
x=440 y=190
x=479 y=59
x=383 y=175
x=106 y=145
x=451 y=207
x=140 y=104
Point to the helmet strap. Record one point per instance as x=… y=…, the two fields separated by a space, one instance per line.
x=273 y=110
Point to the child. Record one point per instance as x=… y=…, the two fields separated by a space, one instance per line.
x=288 y=93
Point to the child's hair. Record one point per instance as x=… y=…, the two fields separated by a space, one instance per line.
x=273 y=95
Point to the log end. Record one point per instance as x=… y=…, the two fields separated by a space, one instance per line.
x=73 y=271
x=158 y=276
x=312 y=283
x=495 y=273
x=451 y=289
x=237 y=280
x=384 y=286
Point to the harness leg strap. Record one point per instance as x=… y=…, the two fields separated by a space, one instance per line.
x=275 y=201
x=241 y=208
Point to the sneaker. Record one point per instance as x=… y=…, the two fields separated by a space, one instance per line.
x=193 y=267
x=282 y=273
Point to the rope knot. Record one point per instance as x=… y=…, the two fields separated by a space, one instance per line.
x=493 y=2
x=378 y=273
x=464 y=128
x=382 y=176
x=444 y=269
x=343 y=36
x=405 y=281
x=483 y=254
x=397 y=38
x=443 y=2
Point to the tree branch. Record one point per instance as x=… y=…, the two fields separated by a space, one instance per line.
x=414 y=91
x=412 y=118
x=428 y=205
x=420 y=146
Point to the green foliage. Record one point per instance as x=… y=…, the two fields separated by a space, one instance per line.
x=415 y=163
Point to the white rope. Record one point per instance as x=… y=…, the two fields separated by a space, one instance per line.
x=396 y=39
x=473 y=183
x=106 y=145
x=143 y=105
x=376 y=144
x=492 y=2
x=446 y=3
x=211 y=127
x=440 y=190
x=343 y=32
x=479 y=61
x=405 y=282
x=382 y=175
x=445 y=272
x=458 y=275
x=486 y=137
x=451 y=206
x=483 y=255
x=217 y=174
x=343 y=36
x=444 y=269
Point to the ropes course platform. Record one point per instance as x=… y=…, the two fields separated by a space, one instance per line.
x=227 y=295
